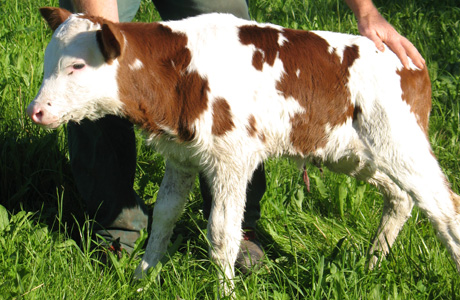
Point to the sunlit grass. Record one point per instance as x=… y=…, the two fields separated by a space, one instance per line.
x=316 y=243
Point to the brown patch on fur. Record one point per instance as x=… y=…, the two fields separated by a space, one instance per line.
x=252 y=129
x=262 y=137
x=221 y=117
x=455 y=201
x=317 y=80
x=162 y=95
x=320 y=87
x=416 y=91
x=314 y=77
x=265 y=39
x=258 y=60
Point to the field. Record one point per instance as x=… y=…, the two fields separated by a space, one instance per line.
x=316 y=243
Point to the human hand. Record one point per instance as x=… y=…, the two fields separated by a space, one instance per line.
x=373 y=25
x=377 y=29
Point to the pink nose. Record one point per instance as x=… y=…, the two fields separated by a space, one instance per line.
x=40 y=115
x=35 y=113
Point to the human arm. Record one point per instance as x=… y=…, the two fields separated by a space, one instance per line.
x=107 y=9
x=374 y=26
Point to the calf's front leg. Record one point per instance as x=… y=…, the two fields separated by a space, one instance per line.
x=224 y=225
x=172 y=196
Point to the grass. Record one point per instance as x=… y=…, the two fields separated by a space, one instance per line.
x=316 y=242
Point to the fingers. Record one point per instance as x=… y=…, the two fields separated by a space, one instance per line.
x=397 y=47
x=413 y=53
x=401 y=46
x=377 y=41
x=378 y=30
x=404 y=49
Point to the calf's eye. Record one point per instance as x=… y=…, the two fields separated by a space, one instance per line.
x=78 y=66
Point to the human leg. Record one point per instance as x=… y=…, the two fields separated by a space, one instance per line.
x=180 y=9
x=103 y=161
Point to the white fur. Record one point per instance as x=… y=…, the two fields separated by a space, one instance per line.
x=383 y=146
x=136 y=65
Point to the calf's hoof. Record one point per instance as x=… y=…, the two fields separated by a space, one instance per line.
x=251 y=255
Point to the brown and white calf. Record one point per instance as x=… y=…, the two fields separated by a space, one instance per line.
x=219 y=95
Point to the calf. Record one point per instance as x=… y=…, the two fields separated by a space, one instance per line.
x=219 y=95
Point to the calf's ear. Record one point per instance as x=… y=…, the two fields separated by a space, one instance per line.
x=54 y=16
x=110 y=41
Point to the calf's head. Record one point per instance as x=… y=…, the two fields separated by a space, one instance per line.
x=80 y=70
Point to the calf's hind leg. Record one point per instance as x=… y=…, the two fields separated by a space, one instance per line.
x=397 y=207
x=397 y=204
x=409 y=162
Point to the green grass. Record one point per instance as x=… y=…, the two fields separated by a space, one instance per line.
x=316 y=243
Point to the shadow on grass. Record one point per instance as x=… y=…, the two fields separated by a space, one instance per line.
x=35 y=177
